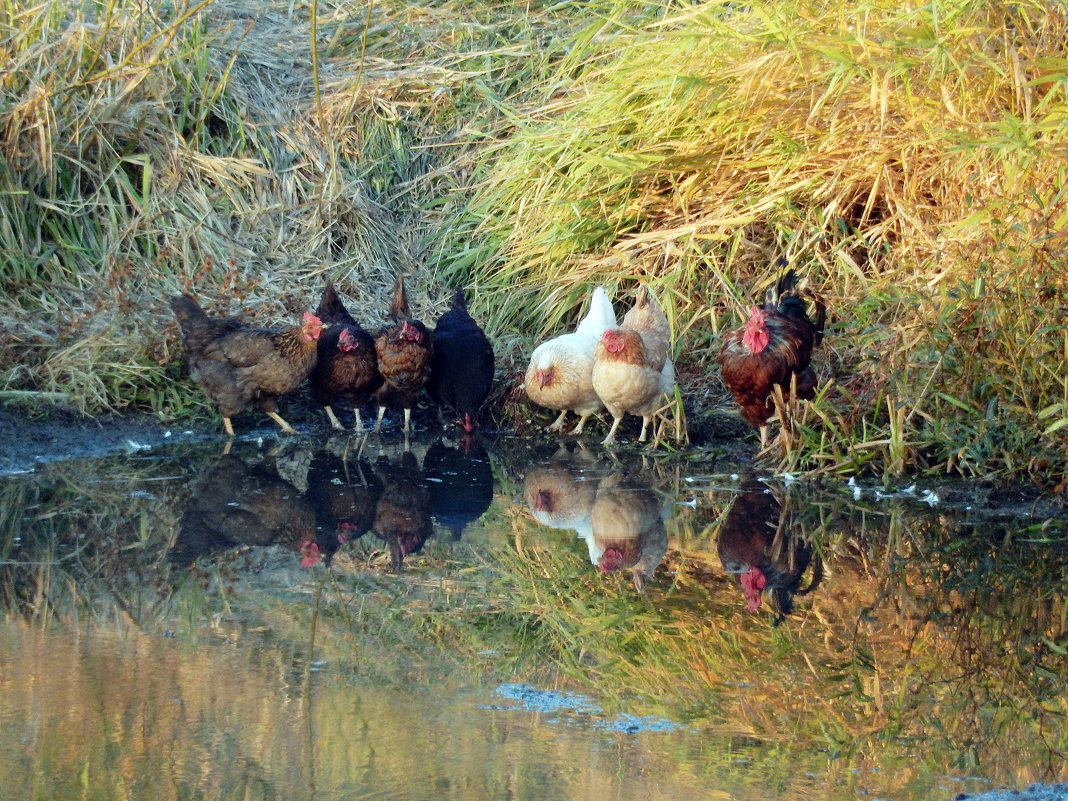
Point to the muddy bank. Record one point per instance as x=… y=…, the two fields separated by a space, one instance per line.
x=53 y=435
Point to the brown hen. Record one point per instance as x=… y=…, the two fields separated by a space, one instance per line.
x=237 y=365
x=403 y=348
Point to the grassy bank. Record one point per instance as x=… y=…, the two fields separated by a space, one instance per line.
x=910 y=161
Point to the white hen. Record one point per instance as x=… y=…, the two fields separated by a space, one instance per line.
x=561 y=369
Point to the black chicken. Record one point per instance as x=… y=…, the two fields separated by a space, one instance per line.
x=461 y=368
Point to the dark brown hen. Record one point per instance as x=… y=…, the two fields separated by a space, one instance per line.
x=347 y=367
x=403 y=348
x=774 y=348
x=461 y=367
x=237 y=365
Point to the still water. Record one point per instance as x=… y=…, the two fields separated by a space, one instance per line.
x=515 y=619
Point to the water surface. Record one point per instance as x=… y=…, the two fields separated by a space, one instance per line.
x=519 y=619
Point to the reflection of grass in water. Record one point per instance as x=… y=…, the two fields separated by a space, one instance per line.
x=945 y=638
x=926 y=633
x=85 y=542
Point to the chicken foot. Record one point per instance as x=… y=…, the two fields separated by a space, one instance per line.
x=333 y=419
x=286 y=427
x=581 y=423
x=611 y=438
x=558 y=424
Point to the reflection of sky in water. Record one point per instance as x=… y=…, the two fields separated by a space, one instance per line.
x=531 y=699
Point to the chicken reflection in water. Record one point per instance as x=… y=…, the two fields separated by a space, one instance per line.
x=402 y=516
x=344 y=493
x=618 y=514
x=560 y=493
x=628 y=528
x=762 y=546
x=240 y=503
x=459 y=480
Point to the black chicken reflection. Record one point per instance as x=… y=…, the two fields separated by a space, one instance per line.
x=616 y=513
x=762 y=546
x=459 y=480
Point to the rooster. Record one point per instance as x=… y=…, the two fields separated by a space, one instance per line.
x=560 y=374
x=461 y=367
x=631 y=369
x=347 y=367
x=403 y=348
x=773 y=349
x=237 y=365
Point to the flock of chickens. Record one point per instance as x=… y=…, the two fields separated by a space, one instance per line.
x=624 y=368
x=237 y=365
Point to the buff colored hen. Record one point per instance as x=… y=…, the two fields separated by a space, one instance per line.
x=560 y=375
x=631 y=371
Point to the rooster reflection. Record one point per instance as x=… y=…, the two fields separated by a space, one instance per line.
x=763 y=548
x=618 y=515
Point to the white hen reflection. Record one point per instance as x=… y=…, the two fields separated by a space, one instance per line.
x=618 y=515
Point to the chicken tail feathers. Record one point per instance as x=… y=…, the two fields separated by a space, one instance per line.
x=398 y=306
x=186 y=309
x=459 y=300
x=331 y=309
x=789 y=301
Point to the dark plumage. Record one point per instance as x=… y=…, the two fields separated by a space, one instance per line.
x=403 y=347
x=237 y=365
x=459 y=481
x=774 y=348
x=347 y=367
x=238 y=503
x=344 y=493
x=461 y=367
x=765 y=550
x=402 y=515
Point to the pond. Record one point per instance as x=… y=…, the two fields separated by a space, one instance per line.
x=531 y=619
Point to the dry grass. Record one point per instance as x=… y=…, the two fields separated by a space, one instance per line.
x=909 y=160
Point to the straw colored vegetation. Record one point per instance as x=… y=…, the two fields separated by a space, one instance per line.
x=908 y=159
